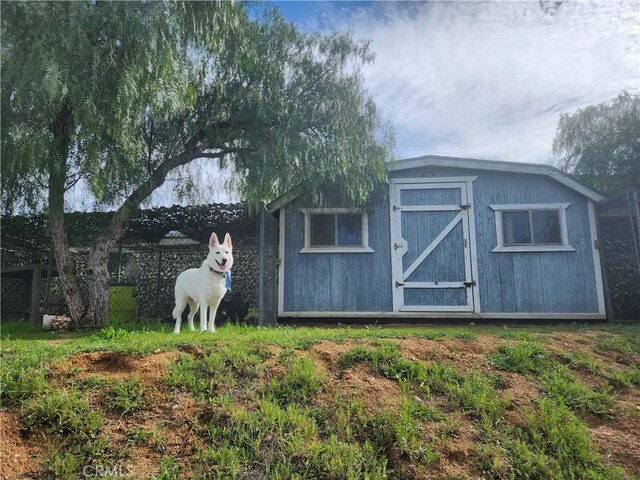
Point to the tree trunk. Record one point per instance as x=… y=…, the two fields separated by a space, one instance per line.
x=96 y=311
x=61 y=129
x=98 y=281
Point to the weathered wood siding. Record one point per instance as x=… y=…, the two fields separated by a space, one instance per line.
x=542 y=282
x=343 y=282
x=522 y=282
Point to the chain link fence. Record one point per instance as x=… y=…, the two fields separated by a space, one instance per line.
x=619 y=226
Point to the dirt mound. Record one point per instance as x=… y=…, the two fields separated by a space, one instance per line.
x=116 y=364
x=19 y=457
x=328 y=353
x=375 y=392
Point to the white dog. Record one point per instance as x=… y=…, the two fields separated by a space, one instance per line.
x=204 y=286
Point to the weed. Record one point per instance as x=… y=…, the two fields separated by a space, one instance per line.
x=625 y=344
x=557 y=381
x=464 y=335
x=220 y=462
x=128 y=396
x=564 y=389
x=422 y=412
x=137 y=436
x=335 y=458
x=622 y=379
x=217 y=372
x=169 y=469
x=110 y=334
x=523 y=357
x=299 y=384
x=579 y=361
x=555 y=444
x=22 y=378
x=63 y=413
x=475 y=394
x=64 y=466
x=432 y=378
x=523 y=336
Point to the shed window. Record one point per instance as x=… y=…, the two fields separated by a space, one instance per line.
x=337 y=230
x=532 y=227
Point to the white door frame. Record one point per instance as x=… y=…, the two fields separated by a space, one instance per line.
x=399 y=246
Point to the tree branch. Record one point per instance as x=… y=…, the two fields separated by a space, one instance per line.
x=123 y=215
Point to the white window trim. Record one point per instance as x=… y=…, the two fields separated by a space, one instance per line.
x=564 y=237
x=364 y=248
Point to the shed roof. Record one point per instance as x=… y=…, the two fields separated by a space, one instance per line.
x=470 y=163
x=498 y=166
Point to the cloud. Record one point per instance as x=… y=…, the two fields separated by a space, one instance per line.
x=489 y=79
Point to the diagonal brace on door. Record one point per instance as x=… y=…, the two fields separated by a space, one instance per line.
x=436 y=241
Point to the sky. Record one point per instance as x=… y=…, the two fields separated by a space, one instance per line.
x=473 y=79
x=485 y=79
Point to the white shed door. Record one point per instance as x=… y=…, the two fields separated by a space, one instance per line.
x=430 y=247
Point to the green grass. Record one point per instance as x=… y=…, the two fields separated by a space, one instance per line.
x=265 y=406
x=628 y=344
x=126 y=396
x=473 y=393
x=556 y=379
x=298 y=384
x=524 y=357
x=64 y=413
x=554 y=444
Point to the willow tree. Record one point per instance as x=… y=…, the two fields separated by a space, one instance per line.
x=117 y=95
x=600 y=144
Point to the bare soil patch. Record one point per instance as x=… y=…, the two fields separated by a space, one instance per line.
x=116 y=365
x=375 y=392
x=619 y=439
x=19 y=456
x=456 y=455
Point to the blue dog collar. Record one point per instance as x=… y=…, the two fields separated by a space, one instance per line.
x=227 y=279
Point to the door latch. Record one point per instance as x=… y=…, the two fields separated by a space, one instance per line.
x=465 y=207
x=469 y=284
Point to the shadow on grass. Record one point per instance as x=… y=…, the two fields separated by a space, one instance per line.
x=21 y=330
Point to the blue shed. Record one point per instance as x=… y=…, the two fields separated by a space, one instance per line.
x=456 y=238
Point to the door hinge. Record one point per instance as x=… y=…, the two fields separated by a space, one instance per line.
x=465 y=207
x=466 y=243
x=469 y=284
x=399 y=284
x=397 y=246
x=395 y=207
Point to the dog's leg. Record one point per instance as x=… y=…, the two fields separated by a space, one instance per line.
x=177 y=312
x=193 y=308
x=213 y=309
x=203 y=315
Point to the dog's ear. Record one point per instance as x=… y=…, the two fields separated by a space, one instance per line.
x=213 y=240
x=227 y=240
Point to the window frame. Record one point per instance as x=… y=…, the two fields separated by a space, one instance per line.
x=364 y=248
x=561 y=208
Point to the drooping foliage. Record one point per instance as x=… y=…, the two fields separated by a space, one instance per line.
x=600 y=144
x=142 y=82
x=119 y=95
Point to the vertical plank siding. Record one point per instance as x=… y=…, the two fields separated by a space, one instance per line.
x=527 y=282
x=347 y=282
x=508 y=282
